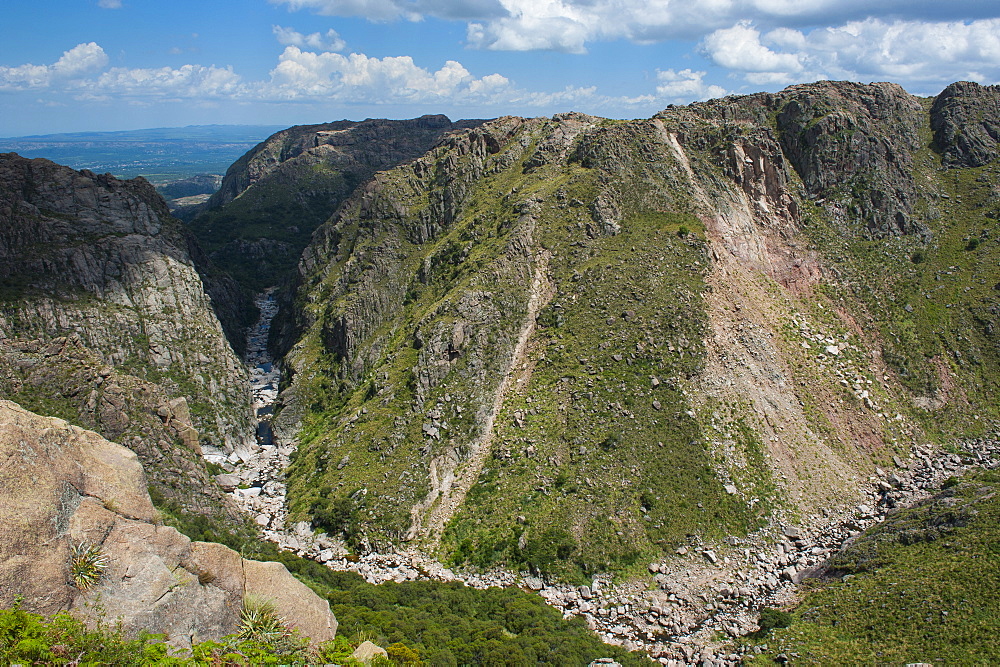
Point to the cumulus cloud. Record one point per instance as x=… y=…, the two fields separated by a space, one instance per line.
x=913 y=52
x=331 y=41
x=568 y=25
x=360 y=78
x=740 y=48
x=109 y=4
x=300 y=75
x=80 y=60
x=188 y=81
x=685 y=86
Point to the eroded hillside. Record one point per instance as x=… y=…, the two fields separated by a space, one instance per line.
x=574 y=343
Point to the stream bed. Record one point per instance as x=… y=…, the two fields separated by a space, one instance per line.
x=703 y=593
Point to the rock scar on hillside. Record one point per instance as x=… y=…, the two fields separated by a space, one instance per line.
x=744 y=358
x=449 y=485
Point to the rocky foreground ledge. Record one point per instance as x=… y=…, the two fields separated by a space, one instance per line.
x=63 y=488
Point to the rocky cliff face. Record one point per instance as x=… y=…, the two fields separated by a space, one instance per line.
x=966 y=123
x=273 y=198
x=571 y=343
x=102 y=259
x=62 y=378
x=64 y=487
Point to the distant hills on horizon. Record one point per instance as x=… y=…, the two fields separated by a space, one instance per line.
x=161 y=155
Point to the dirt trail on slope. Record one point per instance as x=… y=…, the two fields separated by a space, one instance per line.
x=444 y=502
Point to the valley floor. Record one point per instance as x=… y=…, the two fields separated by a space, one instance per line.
x=689 y=606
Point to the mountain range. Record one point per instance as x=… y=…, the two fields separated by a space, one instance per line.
x=661 y=370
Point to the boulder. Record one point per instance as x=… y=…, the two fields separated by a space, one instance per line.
x=294 y=600
x=228 y=482
x=63 y=487
x=367 y=651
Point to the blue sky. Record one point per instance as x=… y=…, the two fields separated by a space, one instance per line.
x=88 y=65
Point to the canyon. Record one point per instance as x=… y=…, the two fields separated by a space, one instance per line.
x=659 y=371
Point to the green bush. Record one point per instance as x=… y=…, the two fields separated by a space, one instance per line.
x=336 y=516
x=771 y=618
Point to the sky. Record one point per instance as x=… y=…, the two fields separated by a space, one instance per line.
x=98 y=65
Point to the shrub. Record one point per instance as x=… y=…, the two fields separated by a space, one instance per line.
x=771 y=618
x=86 y=565
x=402 y=654
x=336 y=516
x=260 y=619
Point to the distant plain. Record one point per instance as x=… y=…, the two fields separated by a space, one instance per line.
x=161 y=155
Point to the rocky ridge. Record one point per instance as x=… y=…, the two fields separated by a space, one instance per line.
x=437 y=257
x=273 y=198
x=100 y=258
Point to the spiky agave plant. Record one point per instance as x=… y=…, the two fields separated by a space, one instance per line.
x=260 y=619
x=86 y=565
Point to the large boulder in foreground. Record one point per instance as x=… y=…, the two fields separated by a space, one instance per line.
x=62 y=487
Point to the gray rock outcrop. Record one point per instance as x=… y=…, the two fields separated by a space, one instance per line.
x=101 y=258
x=966 y=123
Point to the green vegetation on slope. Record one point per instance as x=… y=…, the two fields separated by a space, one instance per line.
x=920 y=587
x=596 y=460
x=264 y=638
x=258 y=237
x=451 y=624
x=445 y=623
x=597 y=451
x=931 y=302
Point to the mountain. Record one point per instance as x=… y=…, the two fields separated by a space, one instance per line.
x=273 y=198
x=106 y=322
x=575 y=344
x=659 y=370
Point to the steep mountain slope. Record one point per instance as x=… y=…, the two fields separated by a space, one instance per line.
x=574 y=343
x=102 y=258
x=105 y=321
x=921 y=587
x=273 y=198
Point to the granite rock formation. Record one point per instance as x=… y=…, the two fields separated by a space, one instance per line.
x=64 y=487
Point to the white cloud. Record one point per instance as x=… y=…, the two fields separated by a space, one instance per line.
x=911 y=52
x=109 y=4
x=317 y=77
x=359 y=78
x=739 y=48
x=188 y=81
x=569 y=25
x=331 y=41
x=685 y=86
x=81 y=59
